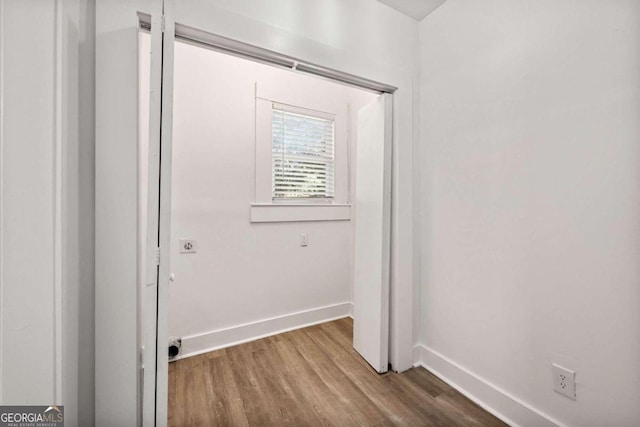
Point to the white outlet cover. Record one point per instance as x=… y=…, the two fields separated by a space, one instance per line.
x=188 y=246
x=564 y=381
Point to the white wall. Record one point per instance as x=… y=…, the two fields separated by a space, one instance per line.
x=246 y=272
x=530 y=204
x=30 y=285
x=46 y=205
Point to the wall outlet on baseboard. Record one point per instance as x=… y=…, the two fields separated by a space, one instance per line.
x=564 y=381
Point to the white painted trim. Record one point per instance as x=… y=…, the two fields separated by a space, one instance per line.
x=291 y=213
x=58 y=213
x=296 y=109
x=267 y=97
x=490 y=397
x=1 y=187
x=214 y=340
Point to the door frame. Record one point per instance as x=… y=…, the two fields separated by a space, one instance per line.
x=117 y=23
x=173 y=32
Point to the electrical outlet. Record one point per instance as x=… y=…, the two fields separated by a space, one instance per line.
x=187 y=246
x=304 y=239
x=564 y=381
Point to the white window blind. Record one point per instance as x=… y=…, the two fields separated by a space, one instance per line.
x=303 y=154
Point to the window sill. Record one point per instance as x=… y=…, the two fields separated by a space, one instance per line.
x=268 y=212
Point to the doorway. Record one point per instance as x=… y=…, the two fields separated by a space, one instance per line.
x=249 y=259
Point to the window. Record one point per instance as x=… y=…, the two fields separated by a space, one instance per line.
x=302 y=149
x=301 y=153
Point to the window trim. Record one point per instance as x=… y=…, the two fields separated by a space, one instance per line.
x=269 y=212
x=263 y=207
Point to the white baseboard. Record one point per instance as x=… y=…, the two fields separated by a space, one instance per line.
x=214 y=340
x=490 y=397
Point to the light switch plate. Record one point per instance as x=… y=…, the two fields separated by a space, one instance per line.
x=187 y=246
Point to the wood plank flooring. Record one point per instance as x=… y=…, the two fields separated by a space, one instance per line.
x=310 y=377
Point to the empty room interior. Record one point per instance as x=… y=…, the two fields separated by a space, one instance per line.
x=320 y=213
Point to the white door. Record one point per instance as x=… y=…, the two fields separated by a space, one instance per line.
x=372 y=233
x=155 y=291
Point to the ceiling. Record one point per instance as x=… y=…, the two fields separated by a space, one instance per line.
x=417 y=9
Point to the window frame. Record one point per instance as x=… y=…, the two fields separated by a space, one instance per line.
x=266 y=209
x=277 y=106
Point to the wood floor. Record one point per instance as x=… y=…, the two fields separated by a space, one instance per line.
x=310 y=377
